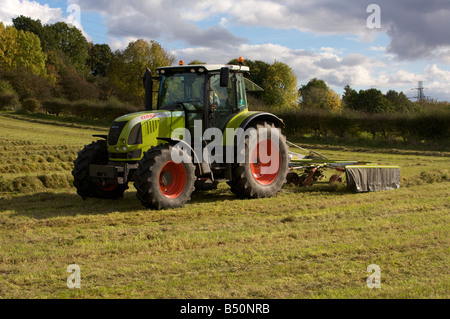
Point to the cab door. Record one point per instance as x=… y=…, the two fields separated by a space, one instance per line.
x=224 y=102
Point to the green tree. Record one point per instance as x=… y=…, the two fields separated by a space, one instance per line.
x=314 y=93
x=23 y=23
x=280 y=86
x=317 y=83
x=30 y=53
x=258 y=74
x=371 y=101
x=71 y=42
x=278 y=81
x=349 y=96
x=196 y=62
x=129 y=65
x=399 y=101
x=317 y=94
x=45 y=33
x=100 y=58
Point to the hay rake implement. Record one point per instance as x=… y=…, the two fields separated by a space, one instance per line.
x=308 y=167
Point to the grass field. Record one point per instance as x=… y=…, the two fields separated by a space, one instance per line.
x=304 y=243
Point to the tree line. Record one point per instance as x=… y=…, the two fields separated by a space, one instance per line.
x=54 y=67
x=44 y=62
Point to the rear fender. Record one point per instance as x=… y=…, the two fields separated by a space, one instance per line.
x=245 y=120
x=262 y=117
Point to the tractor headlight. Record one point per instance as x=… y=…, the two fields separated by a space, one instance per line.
x=124 y=141
x=135 y=136
x=124 y=148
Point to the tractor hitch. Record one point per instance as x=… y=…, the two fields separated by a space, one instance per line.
x=111 y=174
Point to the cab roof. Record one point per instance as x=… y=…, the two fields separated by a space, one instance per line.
x=207 y=67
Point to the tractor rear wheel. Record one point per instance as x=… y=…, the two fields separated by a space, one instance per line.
x=266 y=164
x=94 y=153
x=161 y=182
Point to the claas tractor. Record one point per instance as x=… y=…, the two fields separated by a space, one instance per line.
x=199 y=133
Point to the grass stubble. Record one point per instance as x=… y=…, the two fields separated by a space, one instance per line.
x=304 y=243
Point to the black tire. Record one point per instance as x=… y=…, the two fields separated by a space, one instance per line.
x=94 y=153
x=161 y=183
x=246 y=183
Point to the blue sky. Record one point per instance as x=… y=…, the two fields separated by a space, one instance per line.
x=326 y=39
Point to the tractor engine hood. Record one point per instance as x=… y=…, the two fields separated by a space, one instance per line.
x=131 y=135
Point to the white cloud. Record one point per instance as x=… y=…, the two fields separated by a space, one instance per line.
x=120 y=43
x=166 y=21
x=377 y=48
x=334 y=67
x=354 y=69
x=13 y=8
x=223 y=22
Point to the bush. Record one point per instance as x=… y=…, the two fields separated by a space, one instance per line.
x=28 y=85
x=6 y=88
x=75 y=87
x=417 y=127
x=8 y=101
x=110 y=109
x=8 y=97
x=31 y=105
x=55 y=106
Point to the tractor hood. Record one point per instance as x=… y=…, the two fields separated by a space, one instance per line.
x=131 y=135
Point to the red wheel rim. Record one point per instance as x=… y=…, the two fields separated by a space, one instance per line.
x=265 y=162
x=107 y=187
x=172 y=179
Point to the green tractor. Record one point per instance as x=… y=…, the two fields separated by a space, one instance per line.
x=202 y=117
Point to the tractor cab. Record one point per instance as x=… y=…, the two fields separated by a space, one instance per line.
x=213 y=94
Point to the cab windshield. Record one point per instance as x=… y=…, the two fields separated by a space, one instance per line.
x=182 y=90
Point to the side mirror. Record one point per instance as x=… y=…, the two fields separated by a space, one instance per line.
x=148 y=86
x=224 y=77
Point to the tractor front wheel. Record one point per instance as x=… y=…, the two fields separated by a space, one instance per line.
x=161 y=182
x=94 y=153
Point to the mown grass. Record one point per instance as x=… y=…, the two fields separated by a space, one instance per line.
x=304 y=243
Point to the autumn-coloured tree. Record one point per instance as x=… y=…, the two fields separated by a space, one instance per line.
x=8 y=46
x=129 y=65
x=317 y=94
x=333 y=101
x=21 y=49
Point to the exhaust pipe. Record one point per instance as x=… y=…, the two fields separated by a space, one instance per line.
x=148 y=86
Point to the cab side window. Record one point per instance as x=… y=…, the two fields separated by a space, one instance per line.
x=241 y=94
